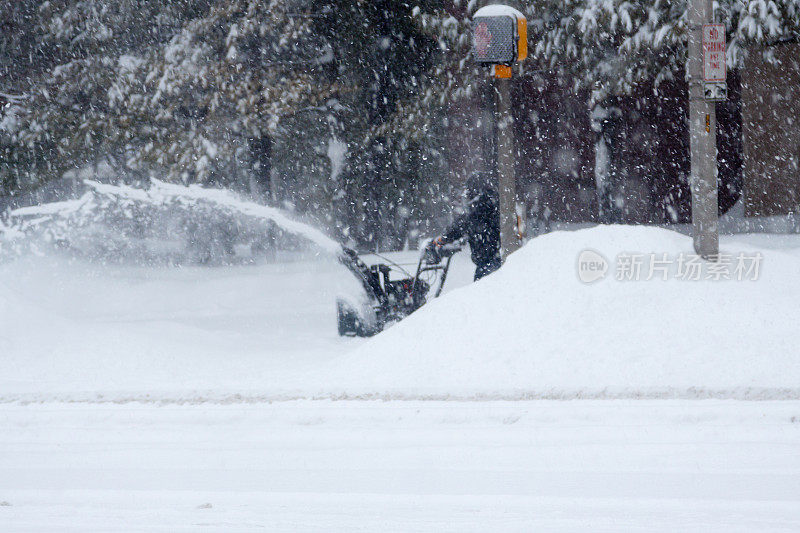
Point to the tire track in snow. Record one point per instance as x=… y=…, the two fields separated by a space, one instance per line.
x=195 y=398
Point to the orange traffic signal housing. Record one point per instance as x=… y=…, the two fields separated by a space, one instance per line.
x=522 y=44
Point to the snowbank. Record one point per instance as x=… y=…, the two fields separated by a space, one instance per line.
x=533 y=329
x=78 y=331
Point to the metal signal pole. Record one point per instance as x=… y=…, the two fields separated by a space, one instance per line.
x=500 y=39
x=703 y=139
x=509 y=241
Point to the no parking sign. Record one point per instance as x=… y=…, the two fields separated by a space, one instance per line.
x=714 y=71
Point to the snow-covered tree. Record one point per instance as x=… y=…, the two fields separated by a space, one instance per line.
x=608 y=46
x=299 y=102
x=68 y=57
x=606 y=49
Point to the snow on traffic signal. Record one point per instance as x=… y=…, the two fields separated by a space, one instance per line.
x=499 y=35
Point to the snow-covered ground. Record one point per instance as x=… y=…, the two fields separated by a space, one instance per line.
x=74 y=330
x=608 y=465
x=221 y=398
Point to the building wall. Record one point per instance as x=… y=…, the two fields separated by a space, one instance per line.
x=555 y=150
x=771 y=130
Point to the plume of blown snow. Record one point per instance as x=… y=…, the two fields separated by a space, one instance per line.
x=163 y=223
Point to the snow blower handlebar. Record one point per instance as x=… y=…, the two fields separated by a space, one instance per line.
x=431 y=260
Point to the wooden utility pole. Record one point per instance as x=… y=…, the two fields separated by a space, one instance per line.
x=703 y=138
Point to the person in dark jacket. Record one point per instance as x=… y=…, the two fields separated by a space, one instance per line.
x=480 y=225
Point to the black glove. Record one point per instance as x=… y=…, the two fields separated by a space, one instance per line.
x=432 y=251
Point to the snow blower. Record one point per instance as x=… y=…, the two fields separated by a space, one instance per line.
x=390 y=300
